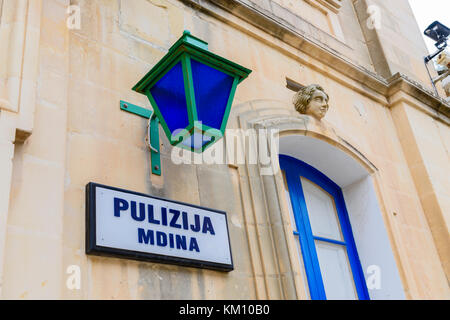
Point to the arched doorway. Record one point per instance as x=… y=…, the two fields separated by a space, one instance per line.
x=322 y=228
x=321 y=147
x=348 y=177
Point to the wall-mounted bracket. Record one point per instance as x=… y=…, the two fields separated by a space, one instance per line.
x=152 y=139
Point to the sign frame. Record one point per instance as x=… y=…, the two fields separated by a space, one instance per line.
x=96 y=250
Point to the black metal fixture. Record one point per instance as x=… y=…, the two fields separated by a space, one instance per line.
x=439 y=33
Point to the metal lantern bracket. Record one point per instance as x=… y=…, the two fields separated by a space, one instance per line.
x=191 y=91
x=152 y=138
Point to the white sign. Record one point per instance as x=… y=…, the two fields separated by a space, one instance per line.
x=128 y=224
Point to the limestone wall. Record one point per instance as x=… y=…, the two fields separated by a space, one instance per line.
x=80 y=135
x=396 y=43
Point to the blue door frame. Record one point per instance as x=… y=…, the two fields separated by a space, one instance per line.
x=295 y=169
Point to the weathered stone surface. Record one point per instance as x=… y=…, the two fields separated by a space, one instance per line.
x=59 y=103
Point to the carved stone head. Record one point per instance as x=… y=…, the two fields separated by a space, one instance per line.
x=312 y=100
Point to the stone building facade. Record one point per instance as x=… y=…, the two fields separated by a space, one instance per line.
x=385 y=142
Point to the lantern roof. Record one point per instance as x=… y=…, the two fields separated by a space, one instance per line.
x=195 y=47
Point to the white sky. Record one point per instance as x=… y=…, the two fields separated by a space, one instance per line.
x=426 y=12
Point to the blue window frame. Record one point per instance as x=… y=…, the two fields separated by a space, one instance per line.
x=296 y=172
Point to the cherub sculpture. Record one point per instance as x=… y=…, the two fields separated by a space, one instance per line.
x=312 y=100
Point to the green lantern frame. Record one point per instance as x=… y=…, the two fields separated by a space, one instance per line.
x=184 y=50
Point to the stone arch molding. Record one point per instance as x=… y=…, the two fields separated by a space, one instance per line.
x=278 y=273
x=295 y=131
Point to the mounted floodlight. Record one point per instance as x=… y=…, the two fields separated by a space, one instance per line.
x=439 y=33
x=191 y=91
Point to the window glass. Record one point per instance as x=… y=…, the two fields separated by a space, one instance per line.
x=322 y=211
x=336 y=272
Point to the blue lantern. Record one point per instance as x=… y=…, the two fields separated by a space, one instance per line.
x=191 y=91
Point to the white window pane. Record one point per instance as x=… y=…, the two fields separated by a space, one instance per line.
x=291 y=212
x=336 y=272
x=302 y=267
x=322 y=211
